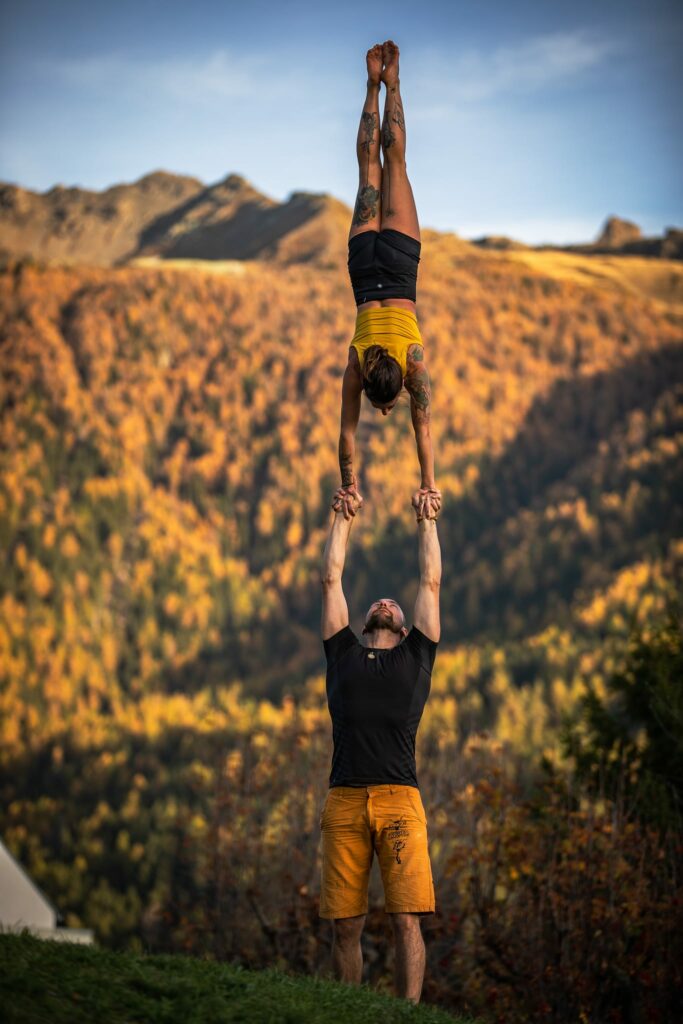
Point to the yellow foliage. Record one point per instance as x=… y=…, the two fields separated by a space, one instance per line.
x=69 y=546
x=40 y=578
x=205 y=436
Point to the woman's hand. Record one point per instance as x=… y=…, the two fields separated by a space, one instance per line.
x=427 y=503
x=347 y=500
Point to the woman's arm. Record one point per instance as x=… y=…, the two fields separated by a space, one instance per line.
x=350 y=411
x=418 y=386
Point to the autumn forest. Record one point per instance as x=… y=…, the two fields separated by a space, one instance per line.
x=168 y=456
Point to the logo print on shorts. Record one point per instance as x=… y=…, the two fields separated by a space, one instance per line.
x=397 y=833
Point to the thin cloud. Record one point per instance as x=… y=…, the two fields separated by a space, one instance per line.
x=217 y=76
x=466 y=78
x=474 y=76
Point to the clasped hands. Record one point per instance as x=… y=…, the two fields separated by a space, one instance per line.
x=426 y=501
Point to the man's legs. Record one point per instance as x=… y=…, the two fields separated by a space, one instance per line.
x=398 y=204
x=410 y=956
x=366 y=214
x=347 y=957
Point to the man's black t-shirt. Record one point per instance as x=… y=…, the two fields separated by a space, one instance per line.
x=376 y=698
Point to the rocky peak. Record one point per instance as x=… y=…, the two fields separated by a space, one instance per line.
x=617 y=232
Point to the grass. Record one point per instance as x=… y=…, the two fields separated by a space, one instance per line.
x=208 y=266
x=659 y=280
x=44 y=982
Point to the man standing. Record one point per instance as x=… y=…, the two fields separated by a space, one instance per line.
x=376 y=691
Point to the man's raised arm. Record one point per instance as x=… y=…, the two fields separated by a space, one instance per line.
x=335 y=611
x=426 y=617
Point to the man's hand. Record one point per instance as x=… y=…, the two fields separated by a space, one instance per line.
x=347 y=500
x=427 y=503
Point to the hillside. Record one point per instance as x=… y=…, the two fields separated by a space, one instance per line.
x=231 y=221
x=169 y=216
x=167 y=454
x=145 y=406
x=657 y=279
x=70 y=984
x=617 y=237
x=623 y=236
x=74 y=225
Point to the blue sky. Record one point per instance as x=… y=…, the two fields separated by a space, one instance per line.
x=532 y=119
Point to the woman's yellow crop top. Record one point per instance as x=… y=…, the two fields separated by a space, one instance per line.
x=392 y=327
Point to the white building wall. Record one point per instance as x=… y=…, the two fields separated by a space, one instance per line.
x=21 y=902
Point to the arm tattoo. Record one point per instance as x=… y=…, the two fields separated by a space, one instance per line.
x=345 y=465
x=416 y=353
x=366 y=204
x=417 y=384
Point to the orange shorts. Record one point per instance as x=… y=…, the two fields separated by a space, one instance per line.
x=358 y=821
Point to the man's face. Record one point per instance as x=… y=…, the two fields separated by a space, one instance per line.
x=385 y=614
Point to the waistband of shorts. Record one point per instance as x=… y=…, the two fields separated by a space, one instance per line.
x=396 y=239
x=382 y=787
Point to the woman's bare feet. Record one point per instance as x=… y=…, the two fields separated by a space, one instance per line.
x=390 y=55
x=374 y=59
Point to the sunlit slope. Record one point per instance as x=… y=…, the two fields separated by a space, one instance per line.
x=170 y=216
x=75 y=225
x=646 y=277
x=169 y=449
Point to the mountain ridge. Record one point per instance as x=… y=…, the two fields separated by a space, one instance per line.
x=173 y=216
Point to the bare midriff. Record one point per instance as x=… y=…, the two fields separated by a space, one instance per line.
x=376 y=303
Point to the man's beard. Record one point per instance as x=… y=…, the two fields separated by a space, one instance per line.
x=382 y=618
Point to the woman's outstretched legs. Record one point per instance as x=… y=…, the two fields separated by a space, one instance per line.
x=367 y=211
x=398 y=204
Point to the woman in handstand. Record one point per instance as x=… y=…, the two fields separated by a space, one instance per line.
x=386 y=352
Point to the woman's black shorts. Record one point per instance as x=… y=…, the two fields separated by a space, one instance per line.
x=383 y=265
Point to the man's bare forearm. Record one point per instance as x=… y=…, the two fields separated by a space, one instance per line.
x=334 y=555
x=429 y=552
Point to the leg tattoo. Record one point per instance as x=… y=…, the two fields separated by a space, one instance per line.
x=366 y=204
x=368 y=126
x=388 y=137
x=393 y=116
x=368 y=146
x=393 y=122
x=397 y=114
